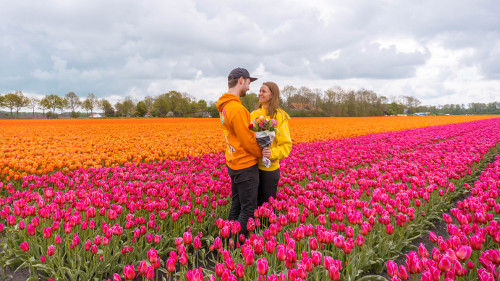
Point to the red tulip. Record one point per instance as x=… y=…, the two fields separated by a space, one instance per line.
x=445 y=264
x=116 y=277
x=129 y=272
x=422 y=251
x=392 y=268
x=24 y=246
x=262 y=266
x=316 y=258
x=433 y=237
x=458 y=269
x=50 y=250
x=170 y=264
x=476 y=242
x=219 y=269
x=152 y=255
x=183 y=259
x=333 y=273
x=239 y=271
x=313 y=243
x=150 y=273
x=142 y=268
x=403 y=274
x=187 y=237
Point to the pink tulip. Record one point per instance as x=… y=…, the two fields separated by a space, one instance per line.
x=392 y=268
x=24 y=246
x=170 y=265
x=50 y=250
x=129 y=272
x=262 y=266
x=445 y=264
x=422 y=251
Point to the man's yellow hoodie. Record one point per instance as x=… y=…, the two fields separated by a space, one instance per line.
x=243 y=150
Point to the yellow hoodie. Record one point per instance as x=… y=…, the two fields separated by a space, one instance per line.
x=243 y=149
x=282 y=144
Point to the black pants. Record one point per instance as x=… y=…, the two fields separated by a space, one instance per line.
x=268 y=185
x=244 y=188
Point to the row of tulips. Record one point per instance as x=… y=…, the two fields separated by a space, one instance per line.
x=45 y=146
x=344 y=207
x=471 y=252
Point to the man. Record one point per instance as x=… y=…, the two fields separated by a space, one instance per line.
x=243 y=150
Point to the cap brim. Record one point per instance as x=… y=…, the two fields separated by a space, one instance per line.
x=252 y=79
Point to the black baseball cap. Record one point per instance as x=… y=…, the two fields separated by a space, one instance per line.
x=239 y=72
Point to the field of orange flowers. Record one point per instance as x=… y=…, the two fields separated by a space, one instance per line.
x=43 y=146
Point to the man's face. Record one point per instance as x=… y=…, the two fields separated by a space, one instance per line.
x=244 y=84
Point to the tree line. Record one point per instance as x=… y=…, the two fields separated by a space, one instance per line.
x=298 y=102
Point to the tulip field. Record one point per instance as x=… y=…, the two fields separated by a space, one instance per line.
x=148 y=200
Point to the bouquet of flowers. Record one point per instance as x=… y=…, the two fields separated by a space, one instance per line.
x=264 y=128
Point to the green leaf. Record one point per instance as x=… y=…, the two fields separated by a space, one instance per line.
x=373 y=278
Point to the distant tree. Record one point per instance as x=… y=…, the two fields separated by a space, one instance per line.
x=202 y=105
x=73 y=101
x=128 y=106
x=2 y=101
x=194 y=107
x=148 y=101
x=410 y=102
x=54 y=102
x=33 y=103
x=286 y=93
x=9 y=101
x=87 y=106
x=107 y=108
x=119 y=109
x=44 y=105
x=250 y=101
x=90 y=103
x=16 y=101
x=162 y=106
x=212 y=110
x=141 y=109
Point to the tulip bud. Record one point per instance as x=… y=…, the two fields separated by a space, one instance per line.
x=24 y=246
x=129 y=272
x=262 y=266
x=422 y=251
x=392 y=268
x=50 y=250
x=445 y=263
x=239 y=271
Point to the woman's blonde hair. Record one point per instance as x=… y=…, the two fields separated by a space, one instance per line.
x=274 y=102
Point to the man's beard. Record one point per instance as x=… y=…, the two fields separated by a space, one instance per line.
x=243 y=93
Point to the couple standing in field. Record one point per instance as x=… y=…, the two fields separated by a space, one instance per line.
x=252 y=183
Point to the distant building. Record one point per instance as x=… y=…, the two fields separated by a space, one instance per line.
x=96 y=115
x=422 y=113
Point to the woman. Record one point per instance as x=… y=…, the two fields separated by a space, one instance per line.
x=269 y=97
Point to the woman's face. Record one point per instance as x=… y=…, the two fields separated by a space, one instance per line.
x=264 y=95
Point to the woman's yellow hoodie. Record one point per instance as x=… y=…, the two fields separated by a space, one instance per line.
x=243 y=149
x=282 y=144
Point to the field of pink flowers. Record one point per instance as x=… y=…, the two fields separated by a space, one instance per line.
x=345 y=208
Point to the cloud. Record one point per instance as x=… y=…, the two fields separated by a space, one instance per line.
x=428 y=49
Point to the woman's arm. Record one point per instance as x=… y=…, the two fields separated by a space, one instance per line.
x=283 y=141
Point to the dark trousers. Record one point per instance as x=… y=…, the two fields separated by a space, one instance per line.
x=244 y=188
x=268 y=185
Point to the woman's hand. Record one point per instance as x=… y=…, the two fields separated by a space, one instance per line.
x=266 y=152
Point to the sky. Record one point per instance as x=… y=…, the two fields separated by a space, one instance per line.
x=441 y=52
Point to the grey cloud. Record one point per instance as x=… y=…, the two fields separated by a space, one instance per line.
x=370 y=62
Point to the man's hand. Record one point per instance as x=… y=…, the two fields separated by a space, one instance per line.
x=266 y=152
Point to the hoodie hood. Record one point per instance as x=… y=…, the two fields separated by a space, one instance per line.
x=224 y=99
